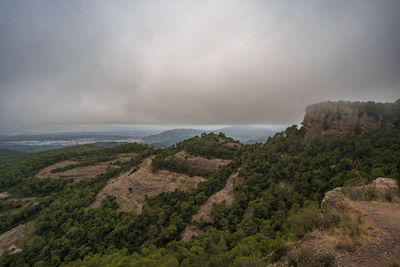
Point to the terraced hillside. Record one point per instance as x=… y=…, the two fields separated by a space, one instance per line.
x=130 y=189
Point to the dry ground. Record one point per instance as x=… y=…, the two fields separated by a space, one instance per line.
x=13 y=239
x=144 y=182
x=25 y=201
x=366 y=233
x=46 y=172
x=85 y=172
x=225 y=193
x=4 y=194
x=377 y=245
x=199 y=163
x=223 y=141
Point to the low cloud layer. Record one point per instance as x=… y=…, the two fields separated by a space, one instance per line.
x=192 y=62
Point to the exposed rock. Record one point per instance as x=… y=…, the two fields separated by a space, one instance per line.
x=13 y=239
x=226 y=143
x=346 y=118
x=4 y=194
x=225 y=194
x=383 y=185
x=131 y=189
x=385 y=189
x=334 y=198
x=198 y=163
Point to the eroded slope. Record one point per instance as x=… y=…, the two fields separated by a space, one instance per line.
x=225 y=194
x=84 y=172
x=131 y=189
x=198 y=163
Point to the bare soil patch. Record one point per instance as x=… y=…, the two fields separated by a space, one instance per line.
x=85 y=172
x=199 y=163
x=13 y=239
x=285 y=185
x=125 y=157
x=225 y=193
x=4 y=194
x=144 y=182
x=46 y=172
x=385 y=215
x=225 y=142
x=189 y=232
x=25 y=202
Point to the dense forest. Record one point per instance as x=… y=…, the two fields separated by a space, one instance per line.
x=278 y=194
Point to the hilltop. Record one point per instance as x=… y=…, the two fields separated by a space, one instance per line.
x=244 y=134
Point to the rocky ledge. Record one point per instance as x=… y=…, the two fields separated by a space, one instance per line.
x=384 y=189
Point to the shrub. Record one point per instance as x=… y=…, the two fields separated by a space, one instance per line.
x=307 y=257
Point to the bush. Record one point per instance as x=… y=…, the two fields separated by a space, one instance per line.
x=307 y=257
x=300 y=221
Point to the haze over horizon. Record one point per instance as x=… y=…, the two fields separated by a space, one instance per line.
x=192 y=62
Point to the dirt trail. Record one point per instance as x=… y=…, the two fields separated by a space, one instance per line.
x=381 y=243
x=131 y=189
x=385 y=215
x=385 y=247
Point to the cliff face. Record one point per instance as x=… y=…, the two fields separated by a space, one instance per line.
x=346 y=118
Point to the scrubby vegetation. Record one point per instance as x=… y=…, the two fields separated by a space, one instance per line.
x=277 y=199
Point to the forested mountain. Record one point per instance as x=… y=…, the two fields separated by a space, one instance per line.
x=266 y=195
x=247 y=134
x=244 y=134
x=170 y=137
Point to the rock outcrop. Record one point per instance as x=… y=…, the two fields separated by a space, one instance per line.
x=346 y=118
x=199 y=163
x=131 y=189
x=384 y=189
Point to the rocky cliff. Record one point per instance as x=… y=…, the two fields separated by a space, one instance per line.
x=345 y=118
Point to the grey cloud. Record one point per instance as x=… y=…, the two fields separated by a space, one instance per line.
x=192 y=62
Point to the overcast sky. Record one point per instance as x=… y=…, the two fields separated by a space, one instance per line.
x=192 y=62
